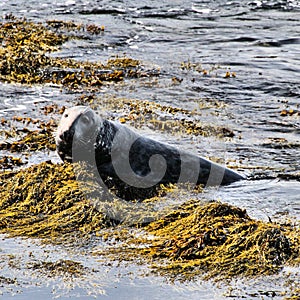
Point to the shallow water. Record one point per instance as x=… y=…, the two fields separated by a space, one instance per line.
x=109 y=281
x=257 y=40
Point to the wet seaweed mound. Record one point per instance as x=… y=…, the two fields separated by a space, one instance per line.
x=214 y=239
x=218 y=239
x=45 y=201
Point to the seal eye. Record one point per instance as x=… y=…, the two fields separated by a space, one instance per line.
x=66 y=115
x=85 y=120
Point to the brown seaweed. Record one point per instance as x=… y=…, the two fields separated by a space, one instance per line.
x=213 y=239
x=25 y=56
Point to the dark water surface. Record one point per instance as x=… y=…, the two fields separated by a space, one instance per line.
x=257 y=40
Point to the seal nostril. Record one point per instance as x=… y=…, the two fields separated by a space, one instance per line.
x=66 y=136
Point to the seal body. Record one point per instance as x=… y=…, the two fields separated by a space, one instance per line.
x=131 y=160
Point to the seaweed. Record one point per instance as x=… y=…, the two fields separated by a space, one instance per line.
x=9 y=162
x=25 y=56
x=214 y=239
x=58 y=268
x=45 y=201
x=197 y=67
x=7 y=280
x=25 y=134
x=165 y=118
x=217 y=240
x=33 y=141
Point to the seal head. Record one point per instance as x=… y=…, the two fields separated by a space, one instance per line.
x=77 y=131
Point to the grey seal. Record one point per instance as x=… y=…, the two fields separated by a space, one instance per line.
x=129 y=159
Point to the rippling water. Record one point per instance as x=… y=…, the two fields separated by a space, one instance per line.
x=257 y=40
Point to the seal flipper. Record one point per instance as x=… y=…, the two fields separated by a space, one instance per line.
x=212 y=174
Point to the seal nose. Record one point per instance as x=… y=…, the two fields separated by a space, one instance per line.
x=67 y=136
